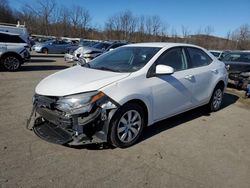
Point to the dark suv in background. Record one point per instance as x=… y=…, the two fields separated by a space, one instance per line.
x=239 y=68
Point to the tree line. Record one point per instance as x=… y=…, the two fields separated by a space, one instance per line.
x=48 y=18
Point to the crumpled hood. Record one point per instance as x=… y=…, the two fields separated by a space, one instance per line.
x=86 y=49
x=77 y=80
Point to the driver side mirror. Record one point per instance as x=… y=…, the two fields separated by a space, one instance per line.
x=163 y=70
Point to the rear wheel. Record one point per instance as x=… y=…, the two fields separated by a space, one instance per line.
x=216 y=99
x=127 y=125
x=11 y=63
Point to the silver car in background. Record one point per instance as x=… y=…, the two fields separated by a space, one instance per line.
x=52 y=47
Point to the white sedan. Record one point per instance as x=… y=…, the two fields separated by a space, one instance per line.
x=119 y=93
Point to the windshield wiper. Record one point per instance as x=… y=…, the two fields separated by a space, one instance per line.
x=108 y=69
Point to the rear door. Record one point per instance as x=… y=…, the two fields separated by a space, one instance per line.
x=203 y=71
x=56 y=47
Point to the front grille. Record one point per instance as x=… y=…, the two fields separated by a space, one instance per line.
x=45 y=107
x=55 y=117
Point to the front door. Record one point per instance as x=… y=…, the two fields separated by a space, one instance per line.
x=172 y=94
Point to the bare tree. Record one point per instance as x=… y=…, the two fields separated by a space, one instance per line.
x=174 y=34
x=64 y=21
x=148 y=25
x=44 y=11
x=156 y=26
x=141 y=29
x=244 y=37
x=208 y=30
x=185 y=33
x=6 y=14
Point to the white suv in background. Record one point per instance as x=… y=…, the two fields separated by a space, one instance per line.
x=112 y=98
x=13 y=56
x=12 y=39
x=14 y=51
x=18 y=29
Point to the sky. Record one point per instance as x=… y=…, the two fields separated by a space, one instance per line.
x=222 y=15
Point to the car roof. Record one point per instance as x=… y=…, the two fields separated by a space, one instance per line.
x=9 y=33
x=161 y=44
x=239 y=52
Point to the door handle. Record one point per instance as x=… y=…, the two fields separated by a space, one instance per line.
x=214 y=71
x=189 y=77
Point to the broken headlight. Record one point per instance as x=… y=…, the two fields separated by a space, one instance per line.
x=79 y=103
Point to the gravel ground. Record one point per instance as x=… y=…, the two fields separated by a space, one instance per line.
x=194 y=149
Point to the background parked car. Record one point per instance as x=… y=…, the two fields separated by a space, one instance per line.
x=219 y=54
x=18 y=29
x=239 y=68
x=70 y=50
x=12 y=39
x=53 y=47
x=12 y=57
x=89 y=53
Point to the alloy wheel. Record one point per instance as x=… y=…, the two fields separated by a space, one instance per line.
x=11 y=63
x=217 y=99
x=129 y=126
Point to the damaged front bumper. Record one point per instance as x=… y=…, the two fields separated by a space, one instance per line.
x=58 y=127
x=69 y=57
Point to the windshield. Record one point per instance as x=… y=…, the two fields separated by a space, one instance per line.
x=239 y=57
x=86 y=43
x=124 y=59
x=101 y=46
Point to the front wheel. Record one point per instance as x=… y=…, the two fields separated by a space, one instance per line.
x=127 y=125
x=45 y=50
x=216 y=99
x=11 y=63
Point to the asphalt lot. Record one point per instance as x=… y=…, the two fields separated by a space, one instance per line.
x=194 y=149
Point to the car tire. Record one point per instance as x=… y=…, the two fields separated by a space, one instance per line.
x=11 y=63
x=45 y=50
x=126 y=126
x=216 y=99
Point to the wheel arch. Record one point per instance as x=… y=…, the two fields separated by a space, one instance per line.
x=218 y=83
x=11 y=54
x=221 y=83
x=43 y=48
x=144 y=108
x=110 y=130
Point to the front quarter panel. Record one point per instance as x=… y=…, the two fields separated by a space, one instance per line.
x=129 y=89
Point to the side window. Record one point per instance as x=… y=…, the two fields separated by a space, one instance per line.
x=175 y=58
x=2 y=37
x=115 y=46
x=198 y=57
x=10 y=38
x=105 y=46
